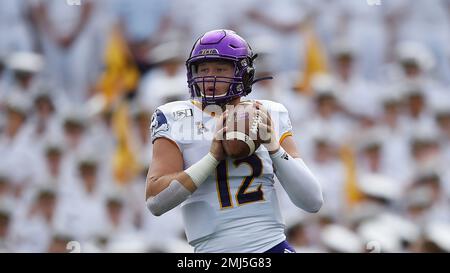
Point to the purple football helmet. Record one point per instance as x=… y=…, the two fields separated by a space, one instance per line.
x=223 y=45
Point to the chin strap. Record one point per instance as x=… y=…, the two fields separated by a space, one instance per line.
x=259 y=79
x=262 y=79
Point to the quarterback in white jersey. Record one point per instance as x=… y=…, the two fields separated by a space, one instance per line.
x=228 y=205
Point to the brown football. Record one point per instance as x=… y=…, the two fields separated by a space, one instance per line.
x=239 y=139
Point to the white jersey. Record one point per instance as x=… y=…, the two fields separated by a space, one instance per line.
x=236 y=208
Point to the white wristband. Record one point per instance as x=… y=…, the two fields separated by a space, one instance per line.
x=202 y=169
x=278 y=153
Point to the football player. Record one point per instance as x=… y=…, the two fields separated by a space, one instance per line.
x=228 y=205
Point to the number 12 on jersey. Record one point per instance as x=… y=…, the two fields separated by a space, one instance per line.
x=242 y=196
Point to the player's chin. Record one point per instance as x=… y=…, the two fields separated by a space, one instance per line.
x=209 y=93
x=217 y=91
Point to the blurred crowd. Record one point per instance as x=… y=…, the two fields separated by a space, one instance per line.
x=373 y=122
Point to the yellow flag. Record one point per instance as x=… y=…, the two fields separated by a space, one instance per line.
x=125 y=163
x=119 y=77
x=120 y=74
x=315 y=60
x=353 y=195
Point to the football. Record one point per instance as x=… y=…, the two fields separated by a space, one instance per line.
x=241 y=139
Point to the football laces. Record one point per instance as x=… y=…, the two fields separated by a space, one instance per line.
x=257 y=119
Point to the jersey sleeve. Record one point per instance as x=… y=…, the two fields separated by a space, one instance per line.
x=281 y=121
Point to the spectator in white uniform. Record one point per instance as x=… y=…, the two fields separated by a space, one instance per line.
x=414 y=22
x=339 y=239
x=25 y=71
x=369 y=159
x=426 y=201
x=15 y=32
x=425 y=152
x=33 y=228
x=365 y=29
x=52 y=165
x=413 y=66
x=328 y=21
x=297 y=236
x=76 y=134
x=83 y=207
x=356 y=95
x=267 y=89
x=100 y=133
x=167 y=81
x=263 y=18
x=217 y=14
x=418 y=114
x=143 y=22
x=43 y=121
x=69 y=45
x=140 y=134
x=436 y=238
x=8 y=199
x=79 y=137
x=119 y=218
x=326 y=117
x=395 y=141
x=15 y=144
x=330 y=172
x=379 y=191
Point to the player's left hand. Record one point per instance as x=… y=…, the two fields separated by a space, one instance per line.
x=266 y=132
x=216 y=146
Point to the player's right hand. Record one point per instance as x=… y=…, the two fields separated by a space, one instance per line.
x=266 y=133
x=216 y=146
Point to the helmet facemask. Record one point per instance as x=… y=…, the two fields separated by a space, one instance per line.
x=239 y=84
x=221 y=45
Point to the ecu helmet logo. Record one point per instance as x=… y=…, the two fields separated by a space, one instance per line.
x=209 y=51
